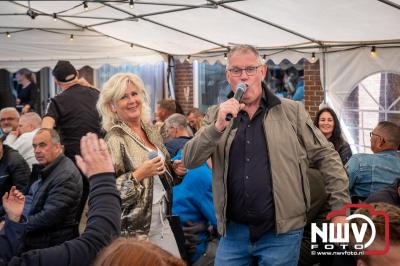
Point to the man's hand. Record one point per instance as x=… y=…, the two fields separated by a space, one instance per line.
x=13 y=203
x=94 y=158
x=191 y=232
x=231 y=106
x=25 y=109
x=179 y=168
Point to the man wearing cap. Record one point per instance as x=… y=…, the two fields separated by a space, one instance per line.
x=73 y=112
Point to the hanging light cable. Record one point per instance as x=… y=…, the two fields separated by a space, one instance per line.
x=8 y=34
x=131 y=3
x=71 y=38
x=313 y=56
x=55 y=16
x=85 y=5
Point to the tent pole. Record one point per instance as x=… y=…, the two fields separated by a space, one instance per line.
x=324 y=72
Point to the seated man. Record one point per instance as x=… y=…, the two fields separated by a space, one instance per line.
x=371 y=172
x=54 y=195
x=14 y=171
x=28 y=125
x=193 y=202
x=177 y=132
x=103 y=222
x=9 y=118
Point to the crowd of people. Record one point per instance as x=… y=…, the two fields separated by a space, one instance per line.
x=96 y=181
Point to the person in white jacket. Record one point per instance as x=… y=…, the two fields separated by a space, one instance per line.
x=28 y=125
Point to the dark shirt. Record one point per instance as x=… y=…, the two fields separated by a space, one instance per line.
x=28 y=94
x=74 y=111
x=250 y=199
x=103 y=226
x=174 y=145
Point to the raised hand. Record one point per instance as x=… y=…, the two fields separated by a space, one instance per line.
x=94 y=158
x=13 y=204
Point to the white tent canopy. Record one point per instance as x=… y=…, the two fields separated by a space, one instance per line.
x=113 y=32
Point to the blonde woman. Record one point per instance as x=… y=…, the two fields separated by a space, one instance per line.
x=145 y=184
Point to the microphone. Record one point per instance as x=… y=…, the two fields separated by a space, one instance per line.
x=152 y=155
x=163 y=178
x=240 y=90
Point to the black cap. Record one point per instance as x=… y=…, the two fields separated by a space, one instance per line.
x=64 y=71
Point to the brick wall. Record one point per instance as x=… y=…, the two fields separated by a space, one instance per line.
x=313 y=93
x=184 y=84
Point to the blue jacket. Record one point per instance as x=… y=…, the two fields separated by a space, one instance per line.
x=193 y=200
x=371 y=172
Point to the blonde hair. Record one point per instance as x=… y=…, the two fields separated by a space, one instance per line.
x=113 y=90
x=125 y=252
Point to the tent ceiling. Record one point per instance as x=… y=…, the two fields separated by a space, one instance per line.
x=186 y=27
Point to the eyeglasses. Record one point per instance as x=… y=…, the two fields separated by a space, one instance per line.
x=7 y=119
x=374 y=134
x=237 y=71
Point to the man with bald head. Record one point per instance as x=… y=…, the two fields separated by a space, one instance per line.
x=28 y=125
x=371 y=172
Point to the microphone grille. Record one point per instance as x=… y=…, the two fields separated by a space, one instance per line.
x=242 y=86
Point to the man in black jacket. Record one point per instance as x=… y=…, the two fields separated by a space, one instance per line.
x=54 y=195
x=103 y=222
x=14 y=171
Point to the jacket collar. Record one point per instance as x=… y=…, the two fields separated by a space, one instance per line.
x=268 y=98
x=45 y=171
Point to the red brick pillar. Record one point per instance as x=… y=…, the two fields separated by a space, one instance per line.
x=313 y=93
x=184 y=85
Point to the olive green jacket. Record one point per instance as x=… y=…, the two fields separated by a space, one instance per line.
x=292 y=142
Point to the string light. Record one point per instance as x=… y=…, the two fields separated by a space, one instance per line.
x=131 y=46
x=188 y=57
x=54 y=16
x=71 y=38
x=8 y=34
x=313 y=56
x=85 y=6
x=264 y=58
x=225 y=56
x=373 y=51
x=131 y=3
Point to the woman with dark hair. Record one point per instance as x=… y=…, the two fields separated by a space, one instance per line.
x=326 y=120
x=28 y=90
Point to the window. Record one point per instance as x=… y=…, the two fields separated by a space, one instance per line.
x=374 y=99
x=152 y=76
x=285 y=80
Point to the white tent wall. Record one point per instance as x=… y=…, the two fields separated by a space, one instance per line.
x=354 y=66
x=111 y=32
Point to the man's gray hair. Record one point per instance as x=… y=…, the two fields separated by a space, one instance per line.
x=33 y=119
x=243 y=48
x=176 y=120
x=9 y=109
x=55 y=137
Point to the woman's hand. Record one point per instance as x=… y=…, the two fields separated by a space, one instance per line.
x=26 y=109
x=148 y=168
